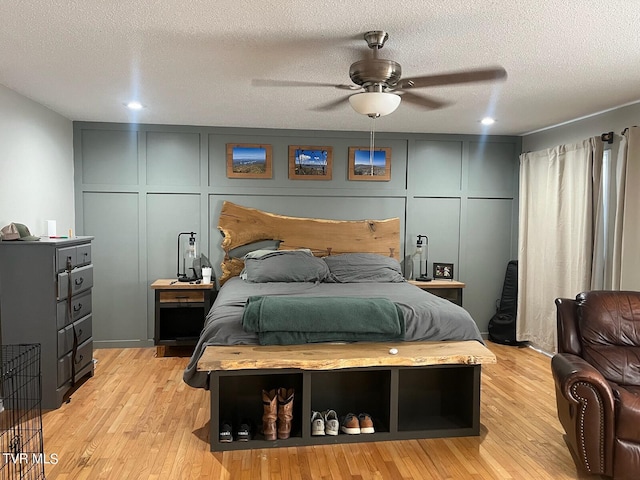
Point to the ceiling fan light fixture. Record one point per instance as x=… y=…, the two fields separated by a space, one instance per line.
x=374 y=104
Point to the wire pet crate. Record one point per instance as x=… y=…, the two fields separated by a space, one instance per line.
x=21 y=441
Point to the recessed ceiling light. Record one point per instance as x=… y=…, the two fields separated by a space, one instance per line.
x=134 y=105
x=487 y=121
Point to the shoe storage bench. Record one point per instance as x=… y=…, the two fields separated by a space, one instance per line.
x=426 y=390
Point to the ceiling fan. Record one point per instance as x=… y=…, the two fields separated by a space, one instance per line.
x=380 y=85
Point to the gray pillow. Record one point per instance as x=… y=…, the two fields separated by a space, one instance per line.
x=242 y=250
x=284 y=266
x=263 y=252
x=363 y=268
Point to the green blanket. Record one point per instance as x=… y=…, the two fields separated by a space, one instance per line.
x=289 y=320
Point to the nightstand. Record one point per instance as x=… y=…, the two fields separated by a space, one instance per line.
x=180 y=310
x=449 y=289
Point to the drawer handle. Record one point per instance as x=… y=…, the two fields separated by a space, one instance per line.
x=79 y=359
x=77 y=308
x=79 y=281
x=80 y=332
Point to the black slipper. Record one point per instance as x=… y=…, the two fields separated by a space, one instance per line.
x=225 y=432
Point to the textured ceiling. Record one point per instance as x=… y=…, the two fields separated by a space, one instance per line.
x=192 y=62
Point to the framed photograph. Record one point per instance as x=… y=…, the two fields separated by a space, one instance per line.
x=370 y=166
x=247 y=160
x=310 y=163
x=442 y=271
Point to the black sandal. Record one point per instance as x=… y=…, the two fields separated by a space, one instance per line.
x=225 y=432
x=245 y=431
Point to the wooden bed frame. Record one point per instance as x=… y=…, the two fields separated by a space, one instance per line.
x=426 y=390
x=242 y=226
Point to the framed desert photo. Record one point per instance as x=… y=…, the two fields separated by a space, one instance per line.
x=368 y=165
x=310 y=163
x=442 y=271
x=247 y=160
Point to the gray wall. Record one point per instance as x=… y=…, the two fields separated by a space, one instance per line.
x=36 y=165
x=138 y=186
x=614 y=120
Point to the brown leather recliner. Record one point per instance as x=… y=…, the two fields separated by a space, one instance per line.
x=597 y=378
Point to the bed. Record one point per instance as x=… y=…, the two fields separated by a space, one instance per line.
x=412 y=361
x=360 y=261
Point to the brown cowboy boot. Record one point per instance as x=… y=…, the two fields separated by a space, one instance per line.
x=285 y=412
x=270 y=405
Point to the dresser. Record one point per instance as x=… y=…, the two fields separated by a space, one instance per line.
x=45 y=298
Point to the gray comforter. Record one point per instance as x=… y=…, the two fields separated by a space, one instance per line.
x=427 y=317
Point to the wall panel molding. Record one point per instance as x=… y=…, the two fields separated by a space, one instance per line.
x=178 y=176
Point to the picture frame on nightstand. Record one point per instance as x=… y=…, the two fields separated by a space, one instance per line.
x=442 y=271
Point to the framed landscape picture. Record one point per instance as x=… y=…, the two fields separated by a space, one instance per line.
x=247 y=160
x=371 y=166
x=310 y=163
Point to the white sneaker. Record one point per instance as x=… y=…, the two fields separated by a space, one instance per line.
x=317 y=423
x=331 y=422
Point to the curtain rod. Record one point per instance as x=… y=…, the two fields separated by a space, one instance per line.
x=607 y=137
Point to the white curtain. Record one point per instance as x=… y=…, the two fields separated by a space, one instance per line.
x=558 y=202
x=625 y=264
x=602 y=223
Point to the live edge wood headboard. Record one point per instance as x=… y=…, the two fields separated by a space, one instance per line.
x=243 y=226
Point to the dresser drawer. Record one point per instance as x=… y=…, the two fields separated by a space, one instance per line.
x=65 y=336
x=81 y=280
x=80 y=307
x=180 y=296
x=66 y=254
x=83 y=358
x=83 y=254
x=78 y=255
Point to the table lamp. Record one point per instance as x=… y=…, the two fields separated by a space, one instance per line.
x=423 y=275
x=189 y=256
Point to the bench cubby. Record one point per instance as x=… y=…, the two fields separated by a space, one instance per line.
x=426 y=398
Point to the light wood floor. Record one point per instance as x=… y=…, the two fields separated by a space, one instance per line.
x=137 y=419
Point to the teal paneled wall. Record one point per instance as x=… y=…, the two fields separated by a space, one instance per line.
x=492 y=169
x=168 y=214
x=484 y=259
x=436 y=168
x=109 y=157
x=439 y=219
x=119 y=304
x=138 y=186
x=173 y=158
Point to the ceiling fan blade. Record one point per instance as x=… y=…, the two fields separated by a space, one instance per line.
x=422 y=101
x=295 y=83
x=331 y=105
x=467 y=76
